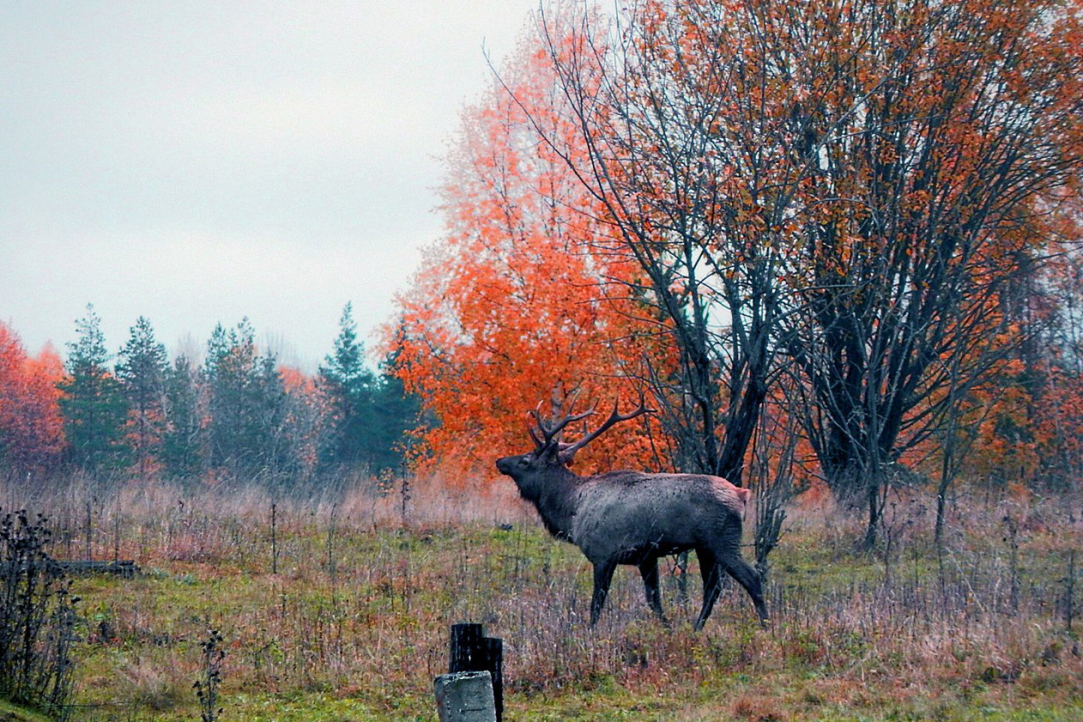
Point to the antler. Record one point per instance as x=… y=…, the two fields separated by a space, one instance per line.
x=615 y=417
x=551 y=433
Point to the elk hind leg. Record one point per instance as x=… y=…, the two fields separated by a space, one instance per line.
x=748 y=578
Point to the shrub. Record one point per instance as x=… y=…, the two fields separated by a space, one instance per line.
x=36 y=617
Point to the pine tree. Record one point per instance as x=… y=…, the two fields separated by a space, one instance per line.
x=229 y=365
x=141 y=370
x=348 y=385
x=92 y=402
x=181 y=450
x=397 y=413
x=246 y=403
x=270 y=439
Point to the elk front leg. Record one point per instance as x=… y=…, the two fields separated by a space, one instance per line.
x=649 y=571
x=603 y=575
x=712 y=584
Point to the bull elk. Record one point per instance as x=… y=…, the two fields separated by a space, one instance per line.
x=633 y=517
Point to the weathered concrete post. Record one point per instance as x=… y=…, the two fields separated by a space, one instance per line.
x=470 y=651
x=465 y=697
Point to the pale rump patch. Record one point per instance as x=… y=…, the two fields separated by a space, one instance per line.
x=735 y=497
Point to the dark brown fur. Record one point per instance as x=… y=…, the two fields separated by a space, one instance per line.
x=631 y=517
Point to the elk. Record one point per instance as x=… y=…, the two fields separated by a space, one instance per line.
x=633 y=517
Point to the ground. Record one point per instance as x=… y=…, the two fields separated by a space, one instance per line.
x=354 y=624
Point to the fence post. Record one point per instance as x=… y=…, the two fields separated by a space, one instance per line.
x=274 y=538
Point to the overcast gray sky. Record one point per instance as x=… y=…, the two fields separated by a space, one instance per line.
x=197 y=162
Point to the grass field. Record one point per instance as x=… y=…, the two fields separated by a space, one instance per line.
x=354 y=624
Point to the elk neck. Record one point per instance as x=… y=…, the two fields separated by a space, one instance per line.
x=556 y=496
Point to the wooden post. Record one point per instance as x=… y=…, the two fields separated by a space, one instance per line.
x=88 y=527
x=493 y=648
x=465 y=644
x=116 y=536
x=1069 y=592
x=472 y=651
x=274 y=538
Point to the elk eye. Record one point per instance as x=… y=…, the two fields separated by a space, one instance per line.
x=524 y=461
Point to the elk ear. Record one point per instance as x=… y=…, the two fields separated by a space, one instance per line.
x=566 y=453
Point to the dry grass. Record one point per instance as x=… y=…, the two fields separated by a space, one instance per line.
x=354 y=624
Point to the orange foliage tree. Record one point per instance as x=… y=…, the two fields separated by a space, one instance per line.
x=940 y=141
x=1030 y=412
x=849 y=185
x=516 y=305
x=1058 y=400
x=684 y=161
x=305 y=419
x=31 y=430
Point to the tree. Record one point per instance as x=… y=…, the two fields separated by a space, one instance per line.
x=369 y=415
x=246 y=405
x=92 y=402
x=349 y=387
x=851 y=183
x=181 y=451
x=683 y=157
x=514 y=305
x=302 y=427
x=141 y=370
x=31 y=431
x=397 y=412
x=942 y=141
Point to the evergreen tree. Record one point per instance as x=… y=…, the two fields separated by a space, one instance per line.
x=348 y=385
x=369 y=413
x=92 y=402
x=397 y=414
x=271 y=438
x=180 y=450
x=141 y=369
x=229 y=364
x=246 y=404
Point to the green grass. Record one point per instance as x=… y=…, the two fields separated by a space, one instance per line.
x=354 y=626
x=13 y=713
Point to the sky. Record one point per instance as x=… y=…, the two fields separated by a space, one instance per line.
x=199 y=162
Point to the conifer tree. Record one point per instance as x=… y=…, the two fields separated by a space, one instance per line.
x=141 y=370
x=246 y=404
x=397 y=413
x=92 y=402
x=181 y=437
x=348 y=385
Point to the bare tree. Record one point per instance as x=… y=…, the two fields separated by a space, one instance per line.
x=853 y=184
x=691 y=172
x=938 y=151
